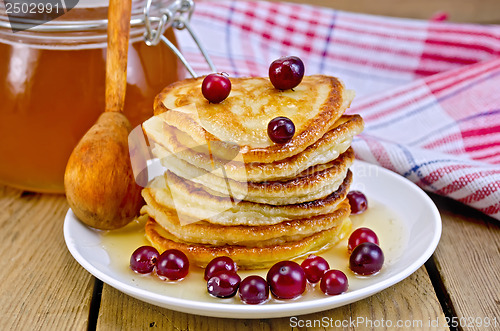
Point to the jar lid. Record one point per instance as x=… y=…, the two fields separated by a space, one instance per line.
x=69 y=15
x=83 y=26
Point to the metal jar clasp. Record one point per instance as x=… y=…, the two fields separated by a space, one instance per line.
x=177 y=15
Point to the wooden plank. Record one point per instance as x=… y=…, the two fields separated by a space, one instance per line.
x=468 y=260
x=412 y=299
x=42 y=287
x=477 y=11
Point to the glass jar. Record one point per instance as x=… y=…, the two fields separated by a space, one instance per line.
x=52 y=89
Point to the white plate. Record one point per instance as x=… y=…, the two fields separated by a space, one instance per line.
x=420 y=220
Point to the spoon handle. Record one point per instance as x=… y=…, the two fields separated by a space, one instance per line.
x=119 y=12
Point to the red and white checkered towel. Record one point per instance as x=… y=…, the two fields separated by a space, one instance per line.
x=429 y=92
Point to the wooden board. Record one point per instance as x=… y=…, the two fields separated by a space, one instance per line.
x=477 y=11
x=468 y=260
x=42 y=287
x=412 y=299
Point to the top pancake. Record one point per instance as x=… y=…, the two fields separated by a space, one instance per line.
x=241 y=120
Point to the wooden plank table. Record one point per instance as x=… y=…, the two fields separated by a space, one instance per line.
x=44 y=288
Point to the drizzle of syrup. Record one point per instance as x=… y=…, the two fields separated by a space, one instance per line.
x=393 y=237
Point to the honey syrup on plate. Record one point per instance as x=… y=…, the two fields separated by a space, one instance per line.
x=393 y=238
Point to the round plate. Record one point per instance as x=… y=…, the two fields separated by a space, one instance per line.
x=419 y=217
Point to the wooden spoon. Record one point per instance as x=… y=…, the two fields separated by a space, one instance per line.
x=99 y=182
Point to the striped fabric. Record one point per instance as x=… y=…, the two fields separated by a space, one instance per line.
x=428 y=91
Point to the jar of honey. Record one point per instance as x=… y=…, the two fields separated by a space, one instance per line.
x=52 y=88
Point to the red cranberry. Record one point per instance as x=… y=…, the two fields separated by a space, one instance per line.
x=334 y=282
x=358 y=202
x=221 y=263
x=360 y=236
x=366 y=259
x=144 y=259
x=286 y=72
x=286 y=279
x=254 y=290
x=172 y=264
x=314 y=268
x=223 y=284
x=280 y=130
x=216 y=87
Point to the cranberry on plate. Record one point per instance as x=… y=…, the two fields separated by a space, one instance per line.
x=172 y=264
x=360 y=236
x=221 y=263
x=286 y=280
x=254 y=290
x=358 y=202
x=223 y=284
x=314 y=268
x=334 y=282
x=144 y=259
x=366 y=259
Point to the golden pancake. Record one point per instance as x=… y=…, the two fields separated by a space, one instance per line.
x=171 y=142
x=313 y=183
x=202 y=232
x=248 y=257
x=195 y=202
x=241 y=120
x=228 y=190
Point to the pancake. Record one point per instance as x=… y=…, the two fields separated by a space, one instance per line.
x=171 y=142
x=202 y=232
x=241 y=120
x=248 y=257
x=313 y=183
x=196 y=202
x=228 y=190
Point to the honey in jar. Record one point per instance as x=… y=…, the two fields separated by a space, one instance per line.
x=52 y=89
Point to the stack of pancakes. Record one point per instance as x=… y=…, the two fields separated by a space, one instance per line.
x=228 y=190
